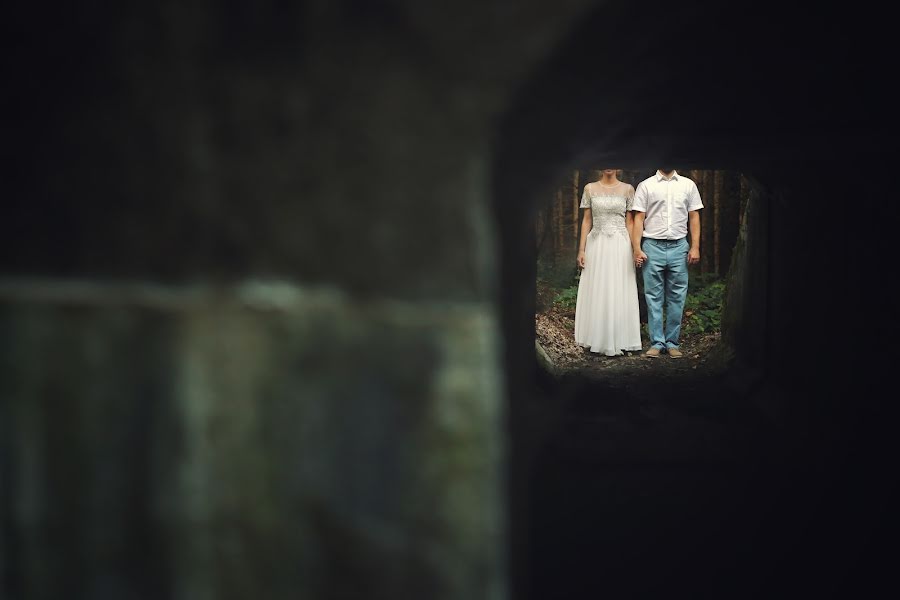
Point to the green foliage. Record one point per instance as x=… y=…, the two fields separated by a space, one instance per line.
x=703 y=306
x=566 y=298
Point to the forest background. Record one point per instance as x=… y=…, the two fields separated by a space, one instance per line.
x=557 y=232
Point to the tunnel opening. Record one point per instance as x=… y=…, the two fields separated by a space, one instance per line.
x=599 y=440
x=660 y=486
x=723 y=327
x=628 y=457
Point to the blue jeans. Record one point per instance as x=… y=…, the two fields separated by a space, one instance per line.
x=665 y=280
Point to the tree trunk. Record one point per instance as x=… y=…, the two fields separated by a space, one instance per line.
x=717 y=221
x=560 y=226
x=745 y=194
x=706 y=226
x=575 y=203
x=731 y=217
x=540 y=230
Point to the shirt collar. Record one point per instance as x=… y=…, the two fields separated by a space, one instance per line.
x=660 y=177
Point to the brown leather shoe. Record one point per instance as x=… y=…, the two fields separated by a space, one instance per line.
x=652 y=353
x=675 y=353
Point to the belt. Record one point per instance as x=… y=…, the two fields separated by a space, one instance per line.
x=663 y=239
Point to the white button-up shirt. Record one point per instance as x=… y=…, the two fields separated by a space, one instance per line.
x=667 y=201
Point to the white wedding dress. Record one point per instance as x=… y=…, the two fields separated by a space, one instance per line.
x=607 y=317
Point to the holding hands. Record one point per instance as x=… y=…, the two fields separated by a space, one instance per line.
x=639 y=258
x=580 y=259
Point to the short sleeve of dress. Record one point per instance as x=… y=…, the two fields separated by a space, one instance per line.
x=585 y=198
x=629 y=197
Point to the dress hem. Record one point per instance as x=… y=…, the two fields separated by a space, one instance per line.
x=611 y=352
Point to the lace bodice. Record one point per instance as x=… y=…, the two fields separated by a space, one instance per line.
x=608 y=206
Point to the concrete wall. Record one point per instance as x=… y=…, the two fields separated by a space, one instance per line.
x=195 y=442
x=248 y=307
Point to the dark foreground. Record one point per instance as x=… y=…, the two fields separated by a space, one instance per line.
x=661 y=480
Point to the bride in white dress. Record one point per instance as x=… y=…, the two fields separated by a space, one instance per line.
x=607 y=317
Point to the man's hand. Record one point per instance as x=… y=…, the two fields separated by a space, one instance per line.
x=639 y=258
x=694 y=256
x=580 y=259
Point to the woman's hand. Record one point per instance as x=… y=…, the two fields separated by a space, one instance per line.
x=580 y=259
x=639 y=258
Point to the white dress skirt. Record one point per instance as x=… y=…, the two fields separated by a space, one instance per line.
x=607 y=315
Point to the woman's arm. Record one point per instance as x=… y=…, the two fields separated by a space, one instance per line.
x=586 y=224
x=637 y=232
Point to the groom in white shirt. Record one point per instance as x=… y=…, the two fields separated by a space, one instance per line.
x=665 y=204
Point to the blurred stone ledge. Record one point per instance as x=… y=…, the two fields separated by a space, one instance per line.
x=253 y=294
x=257 y=439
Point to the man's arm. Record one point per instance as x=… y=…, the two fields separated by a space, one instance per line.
x=694 y=221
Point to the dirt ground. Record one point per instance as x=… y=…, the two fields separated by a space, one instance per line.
x=591 y=388
x=633 y=374
x=555 y=331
